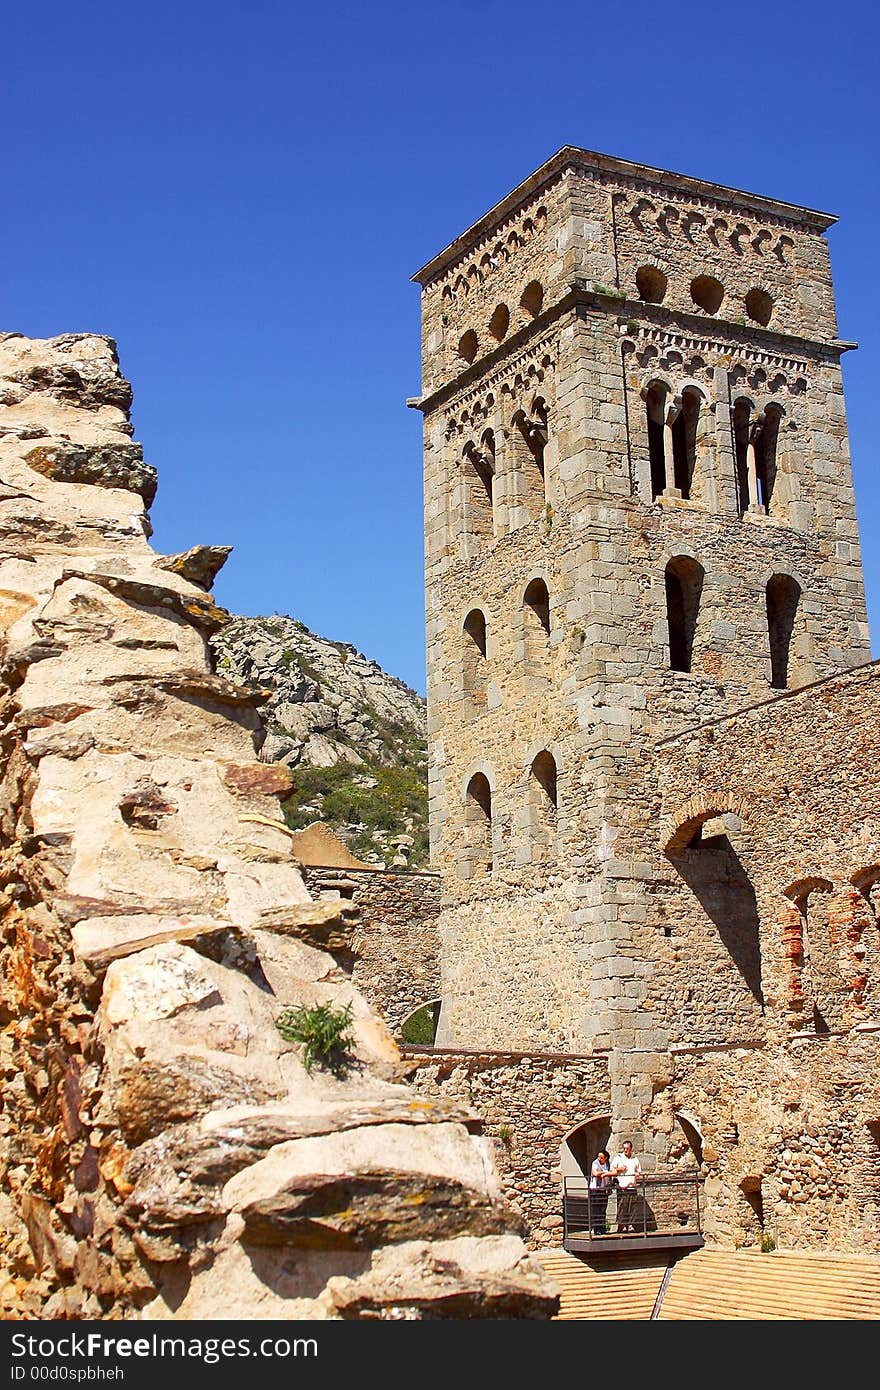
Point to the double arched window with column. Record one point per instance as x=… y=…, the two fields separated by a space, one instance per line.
x=675 y=429
x=756 y=438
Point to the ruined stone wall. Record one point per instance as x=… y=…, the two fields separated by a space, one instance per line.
x=790 y=1141
x=530 y=1104
x=397 y=959
x=164 y=1149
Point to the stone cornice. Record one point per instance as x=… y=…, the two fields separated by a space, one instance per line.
x=633 y=175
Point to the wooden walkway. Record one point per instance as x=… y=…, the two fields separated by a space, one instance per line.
x=719 y=1285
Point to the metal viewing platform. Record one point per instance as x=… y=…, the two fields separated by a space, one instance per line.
x=652 y=1214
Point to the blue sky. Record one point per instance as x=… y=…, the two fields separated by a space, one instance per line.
x=238 y=192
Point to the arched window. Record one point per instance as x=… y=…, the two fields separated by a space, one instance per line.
x=684 y=585
x=536 y=600
x=532 y=298
x=467 y=345
x=544 y=777
x=479 y=471
x=536 y=623
x=766 y=436
x=742 y=415
x=499 y=322
x=783 y=597
x=655 y=405
x=529 y=439
x=684 y=440
x=474 y=655
x=651 y=284
x=478 y=825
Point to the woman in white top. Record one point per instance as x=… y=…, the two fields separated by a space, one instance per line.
x=600 y=1187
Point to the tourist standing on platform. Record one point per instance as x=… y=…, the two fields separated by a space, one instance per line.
x=626 y=1168
x=600 y=1189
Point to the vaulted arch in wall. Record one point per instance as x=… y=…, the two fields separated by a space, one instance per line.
x=783 y=595
x=833 y=922
x=478 y=826
x=474 y=636
x=684 y=828
x=543 y=802
x=655 y=396
x=478 y=467
x=684 y=586
x=686 y=1142
x=721 y=939
x=581 y=1145
x=419 y=1028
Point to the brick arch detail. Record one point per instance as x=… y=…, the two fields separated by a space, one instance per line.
x=678 y=830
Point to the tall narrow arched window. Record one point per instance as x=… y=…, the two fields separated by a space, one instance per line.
x=479 y=471
x=536 y=623
x=543 y=804
x=478 y=824
x=684 y=586
x=766 y=437
x=655 y=406
x=544 y=778
x=474 y=640
x=529 y=437
x=742 y=414
x=783 y=597
x=684 y=440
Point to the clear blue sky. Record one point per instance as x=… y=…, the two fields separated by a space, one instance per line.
x=238 y=192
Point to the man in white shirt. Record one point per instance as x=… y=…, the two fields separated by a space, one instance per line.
x=626 y=1168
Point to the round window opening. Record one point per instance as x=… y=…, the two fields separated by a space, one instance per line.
x=707 y=293
x=759 y=306
x=651 y=284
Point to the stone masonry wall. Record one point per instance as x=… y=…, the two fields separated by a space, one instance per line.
x=397 y=964
x=530 y=1104
x=615 y=499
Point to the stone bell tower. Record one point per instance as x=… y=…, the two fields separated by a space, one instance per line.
x=639 y=516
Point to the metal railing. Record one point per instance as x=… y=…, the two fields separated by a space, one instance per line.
x=649 y=1209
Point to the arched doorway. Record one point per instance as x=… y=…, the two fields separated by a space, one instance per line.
x=581 y=1145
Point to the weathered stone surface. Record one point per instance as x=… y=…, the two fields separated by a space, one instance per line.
x=100 y=940
x=262 y=779
x=199 y=565
x=328 y=925
x=147 y=893
x=452 y=1279
x=105 y=465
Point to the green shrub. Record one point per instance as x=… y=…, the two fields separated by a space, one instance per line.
x=323 y=1032
x=768 y=1244
x=418 y=1029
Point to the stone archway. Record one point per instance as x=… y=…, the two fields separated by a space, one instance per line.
x=581 y=1144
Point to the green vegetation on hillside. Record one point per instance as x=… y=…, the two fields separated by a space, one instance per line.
x=337 y=796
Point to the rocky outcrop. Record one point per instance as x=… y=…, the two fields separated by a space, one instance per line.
x=355 y=736
x=162 y=1146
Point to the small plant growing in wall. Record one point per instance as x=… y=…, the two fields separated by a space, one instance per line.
x=323 y=1032
x=505 y=1136
x=768 y=1243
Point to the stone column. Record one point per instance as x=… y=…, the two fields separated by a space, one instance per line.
x=754 y=436
x=672 y=415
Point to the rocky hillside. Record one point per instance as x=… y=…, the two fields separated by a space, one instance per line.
x=354 y=736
